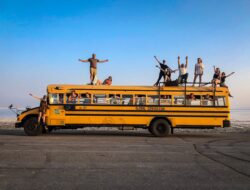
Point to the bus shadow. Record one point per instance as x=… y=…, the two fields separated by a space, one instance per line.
x=201 y=135
x=68 y=132
x=102 y=133
x=12 y=132
x=105 y=133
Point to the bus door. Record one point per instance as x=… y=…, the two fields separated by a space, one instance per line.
x=56 y=110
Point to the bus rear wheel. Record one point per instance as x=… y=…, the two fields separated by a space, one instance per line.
x=31 y=127
x=160 y=128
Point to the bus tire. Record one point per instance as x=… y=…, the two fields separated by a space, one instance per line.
x=50 y=129
x=150 y=129
x=160 y=128
x=31 y=127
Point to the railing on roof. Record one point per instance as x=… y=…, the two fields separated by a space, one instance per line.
x=185 y=89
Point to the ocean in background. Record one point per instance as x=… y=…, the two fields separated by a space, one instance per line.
x=7 y=115
x=236 y=115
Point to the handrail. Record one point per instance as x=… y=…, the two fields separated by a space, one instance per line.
x=185 y=89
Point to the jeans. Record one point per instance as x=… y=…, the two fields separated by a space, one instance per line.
x=161 y=74
x=183 y=78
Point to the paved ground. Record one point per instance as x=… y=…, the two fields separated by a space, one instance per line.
x=124 y=160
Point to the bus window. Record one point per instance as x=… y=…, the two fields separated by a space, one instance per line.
x=153 y=100
x=85 y=98
x=127 y=100
x=114 y=99
x=56 y=98
x=100 y=99
x=72 y=98
x=193 y=100
x=165 y=100
x=220 y=101
x=140 y=100
x=179 y=100
x=61 y=98
x=207 y=100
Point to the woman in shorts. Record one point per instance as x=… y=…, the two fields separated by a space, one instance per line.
x=42 y=108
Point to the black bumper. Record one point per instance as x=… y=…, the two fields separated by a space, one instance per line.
x=226 y=123
x=18 y=125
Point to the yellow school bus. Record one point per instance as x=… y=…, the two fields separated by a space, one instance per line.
x=158 y=109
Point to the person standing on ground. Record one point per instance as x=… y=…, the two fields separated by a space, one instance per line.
x=42 y=109
x=198 y=71
x=163 y=67
x=183 y=75
x=93 y=66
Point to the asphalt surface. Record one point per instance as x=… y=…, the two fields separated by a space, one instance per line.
x=124 y=160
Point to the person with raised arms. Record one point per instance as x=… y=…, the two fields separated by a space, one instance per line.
x=183 y=75
x=93 y=66
x=163 y=67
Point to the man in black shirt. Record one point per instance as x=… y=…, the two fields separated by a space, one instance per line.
x=163 y=67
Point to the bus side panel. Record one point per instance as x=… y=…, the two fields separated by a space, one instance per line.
x=198 y=121
x=56 y=116
x=108 y=120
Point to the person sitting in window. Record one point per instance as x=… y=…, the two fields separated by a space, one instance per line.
x=206 y=100
x=191 y=97
x=113 y=99
x=73 y=97
x=85 y=98
x=140 y=100
x=165 y=100
x=60 y=99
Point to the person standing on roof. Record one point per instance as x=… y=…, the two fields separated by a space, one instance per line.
x=198 y=71
x=183 y=75
x=163 y=67
x=93 y=66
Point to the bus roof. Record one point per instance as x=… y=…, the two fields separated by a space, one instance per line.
x=69 y=87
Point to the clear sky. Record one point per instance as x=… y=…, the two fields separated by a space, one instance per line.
x=41 y=42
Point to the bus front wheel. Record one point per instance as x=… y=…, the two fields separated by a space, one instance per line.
x=31 y=127
x=160 y=128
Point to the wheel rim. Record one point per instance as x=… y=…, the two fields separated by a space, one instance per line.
x=161 y=128
x=32 y=126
